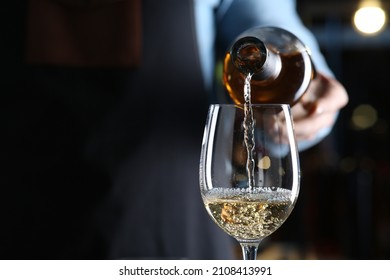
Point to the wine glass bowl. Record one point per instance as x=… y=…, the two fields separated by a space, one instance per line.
x=249 y=170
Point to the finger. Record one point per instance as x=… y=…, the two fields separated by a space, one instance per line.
x=308 y=128
x=305 y=129
x=325 y=94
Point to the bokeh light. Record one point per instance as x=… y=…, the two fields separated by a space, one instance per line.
x=369 y=19
x=364 y=116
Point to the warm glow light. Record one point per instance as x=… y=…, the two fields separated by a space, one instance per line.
x=364 y=116
x=369 y=19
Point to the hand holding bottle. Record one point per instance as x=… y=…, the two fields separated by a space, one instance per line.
x=281 y=71
x=319 y=106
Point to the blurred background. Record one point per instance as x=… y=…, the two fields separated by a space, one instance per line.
x=344 y=209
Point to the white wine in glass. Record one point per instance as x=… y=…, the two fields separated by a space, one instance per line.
x=249 y=170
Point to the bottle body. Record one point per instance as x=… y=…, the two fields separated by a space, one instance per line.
x=278 y=61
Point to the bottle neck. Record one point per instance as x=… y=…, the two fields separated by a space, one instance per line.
x=251 y=56
x=271 y=68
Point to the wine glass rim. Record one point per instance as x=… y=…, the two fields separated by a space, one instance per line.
x=269 y=105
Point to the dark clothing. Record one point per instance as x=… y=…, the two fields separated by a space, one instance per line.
x=103 y=162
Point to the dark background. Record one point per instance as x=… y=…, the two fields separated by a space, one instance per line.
x=344 y=211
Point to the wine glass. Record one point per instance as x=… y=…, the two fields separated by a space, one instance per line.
x=249 y=170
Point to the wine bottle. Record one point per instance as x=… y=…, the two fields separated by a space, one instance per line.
x=279 y=64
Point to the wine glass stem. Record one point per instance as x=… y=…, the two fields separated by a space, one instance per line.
x=249 y=250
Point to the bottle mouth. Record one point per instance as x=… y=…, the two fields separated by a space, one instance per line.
x=249 y=55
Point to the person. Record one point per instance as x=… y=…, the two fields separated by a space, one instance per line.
x=103 y=125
